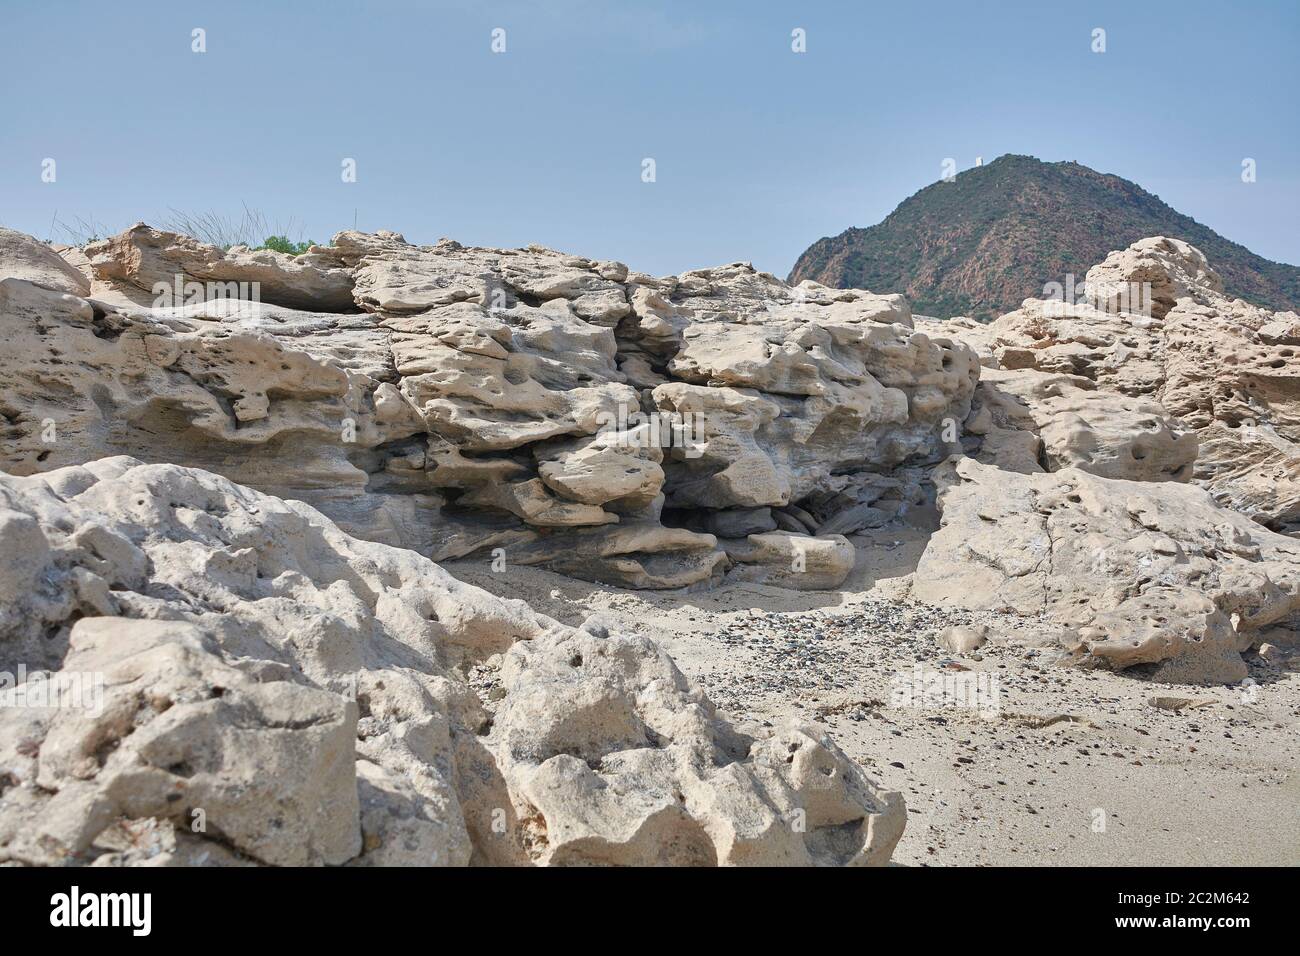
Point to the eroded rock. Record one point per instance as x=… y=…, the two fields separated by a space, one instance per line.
x=616 y=758
x=793 y=560
x=1156 y=328
x=34 y=261
x=1137 y=573
x=454 y=400
x=151 y=260
x=300 y=694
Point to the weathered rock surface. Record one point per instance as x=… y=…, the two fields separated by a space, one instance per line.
x=1152 y=376
x=961 y=639
x=1157 y=328
x=646 y=432
x=267 y=768
x=792 y=560
x=34 y=261
x=1078 y=425
x=272 y=690
x=262 y=682
x=616 y=758
x=451 y=400
x=1134 y=572
x=152 y=261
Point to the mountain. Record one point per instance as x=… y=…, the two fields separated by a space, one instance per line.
x=996 y=234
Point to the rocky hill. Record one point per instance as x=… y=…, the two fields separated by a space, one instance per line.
x=996 y=234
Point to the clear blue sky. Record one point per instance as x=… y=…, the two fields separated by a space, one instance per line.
x=759 y=150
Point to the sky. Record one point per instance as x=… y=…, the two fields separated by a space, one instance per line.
x=758 y=150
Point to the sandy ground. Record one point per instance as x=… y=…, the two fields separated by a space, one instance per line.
x=1069 y=766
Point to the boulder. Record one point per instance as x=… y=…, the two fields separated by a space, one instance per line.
x=22 y=257
x=1135 y=573
x=962 y=640
x=612 y=757
x=792 y=560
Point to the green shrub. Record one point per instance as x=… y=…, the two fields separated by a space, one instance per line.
x=285 y=245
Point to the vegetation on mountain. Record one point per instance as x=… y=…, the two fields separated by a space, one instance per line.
x=996 y=234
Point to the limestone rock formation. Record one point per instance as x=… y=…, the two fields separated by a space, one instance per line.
x=1052 y=420
x=793 y=560
x=220 y=509
x=1162 y=354
x=236 y=680
x=644 y=432
x=1133 y=572
x=1153 y=376
x=614 y=757
x=453 y=400
x=146 y=260
x=33 y=261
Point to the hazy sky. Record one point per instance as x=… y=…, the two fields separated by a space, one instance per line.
x=758 y=150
